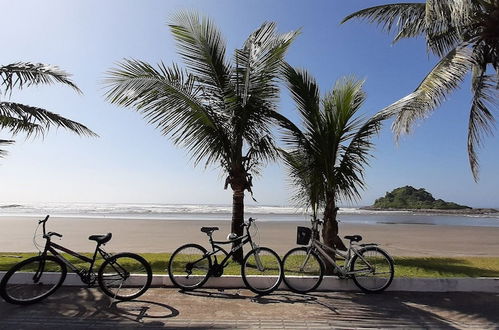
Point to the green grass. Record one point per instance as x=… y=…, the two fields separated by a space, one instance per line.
x=429 y=267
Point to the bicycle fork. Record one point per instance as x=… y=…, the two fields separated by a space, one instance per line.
x=258 y=261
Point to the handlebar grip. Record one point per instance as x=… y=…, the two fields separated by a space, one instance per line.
x=51 y=233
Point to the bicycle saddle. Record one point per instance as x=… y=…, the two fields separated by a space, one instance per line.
x=208 y=230
x=101 y=239
x=354 y=238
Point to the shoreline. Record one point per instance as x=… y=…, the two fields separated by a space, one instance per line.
x=143 y=236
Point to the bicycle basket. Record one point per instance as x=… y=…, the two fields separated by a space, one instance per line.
x=303 y=235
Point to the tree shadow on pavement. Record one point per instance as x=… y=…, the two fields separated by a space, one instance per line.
x=417 y=309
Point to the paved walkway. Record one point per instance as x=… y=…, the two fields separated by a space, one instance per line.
x=79 y=308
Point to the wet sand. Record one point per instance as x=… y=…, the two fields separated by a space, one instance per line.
x=16 y=235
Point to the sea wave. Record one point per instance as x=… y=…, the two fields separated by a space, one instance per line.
x=10 y=206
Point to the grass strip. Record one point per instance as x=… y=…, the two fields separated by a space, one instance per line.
x=415 y=267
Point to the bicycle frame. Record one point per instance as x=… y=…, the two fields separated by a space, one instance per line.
x=83 y=273
x=321 y=248
x=244 y=240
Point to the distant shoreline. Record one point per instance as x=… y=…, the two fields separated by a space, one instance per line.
x=477 y=211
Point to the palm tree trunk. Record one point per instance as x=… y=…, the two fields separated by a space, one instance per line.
x=330 y=232
x=330 y=228
x=238 y=186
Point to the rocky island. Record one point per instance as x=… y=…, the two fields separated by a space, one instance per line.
x=409 y=198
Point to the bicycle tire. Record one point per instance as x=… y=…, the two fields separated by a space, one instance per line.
x=16 y=286
x=266 y=282
x=115 y=280
x=180 y=267
x=379 y=259
x=301 y=277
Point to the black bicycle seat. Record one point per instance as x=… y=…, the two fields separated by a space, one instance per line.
x=354 y=238
x=208 y=230
x=101 y=239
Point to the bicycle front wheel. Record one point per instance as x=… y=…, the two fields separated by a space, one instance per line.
x=125 y=276
x=262 y=270
x=189 y=266
x=373 y=270
x=303 y=270
x=32 y=280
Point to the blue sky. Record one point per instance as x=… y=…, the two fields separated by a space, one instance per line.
x=132 y=162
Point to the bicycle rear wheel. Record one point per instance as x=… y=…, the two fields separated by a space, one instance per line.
x=32 y=280
x=125 y=276
x=262 y=270
x=373 y=272
x=189 y=266
x=303 y=270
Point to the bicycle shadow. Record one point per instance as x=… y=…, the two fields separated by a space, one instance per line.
x=278 y=297
x=74 y=306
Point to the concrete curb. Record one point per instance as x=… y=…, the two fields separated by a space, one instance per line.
x=332 y=283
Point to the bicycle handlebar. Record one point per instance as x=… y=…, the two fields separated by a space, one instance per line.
x=248 y=224
x=44 y=221
x=51 y=233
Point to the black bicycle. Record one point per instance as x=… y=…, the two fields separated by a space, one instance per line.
x=38 y=277
x=191 y=265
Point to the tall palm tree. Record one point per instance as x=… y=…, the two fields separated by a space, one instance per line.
x=18 y=118
x=326 y=159
x=220 y=110
x=465 y=35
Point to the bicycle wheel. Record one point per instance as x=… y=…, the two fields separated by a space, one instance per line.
x=373 y=272
x=303 y=271
x=262 y=270
x=125 y=276
x=32 y=280
x=189 y=266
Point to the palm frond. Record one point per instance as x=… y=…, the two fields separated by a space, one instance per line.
x=20 y=125
x=481 y=120
x=170 y=99
x=306 y=95
x=443 y=78
x=2 y=144
x=22 y=74
x=355 y=156
x=202 y=47
x=408 y=19
x=326 y=159
x=308 y=189
x=260 y=61
x=36 y=117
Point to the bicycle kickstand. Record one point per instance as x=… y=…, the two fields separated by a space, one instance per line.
x=118 y=291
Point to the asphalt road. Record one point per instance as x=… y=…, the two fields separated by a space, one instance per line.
x=160 y=308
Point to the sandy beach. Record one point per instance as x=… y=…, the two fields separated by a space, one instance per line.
x=165 y=236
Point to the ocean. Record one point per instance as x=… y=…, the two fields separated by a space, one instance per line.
x=223 y=212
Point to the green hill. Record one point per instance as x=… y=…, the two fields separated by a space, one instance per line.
x=411 y=198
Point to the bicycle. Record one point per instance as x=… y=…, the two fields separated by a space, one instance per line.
x=191 y=265
x=370 y=267
x=36 y=278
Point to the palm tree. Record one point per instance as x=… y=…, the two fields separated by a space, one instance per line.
x=465 y=36
x=326 y=158
x=221 y=111
x=20 y=118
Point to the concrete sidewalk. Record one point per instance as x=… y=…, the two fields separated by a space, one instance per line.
x=159 y=308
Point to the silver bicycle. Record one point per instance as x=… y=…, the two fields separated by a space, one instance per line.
x=370 y=267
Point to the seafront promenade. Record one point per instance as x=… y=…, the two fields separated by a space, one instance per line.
x=161 y=308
